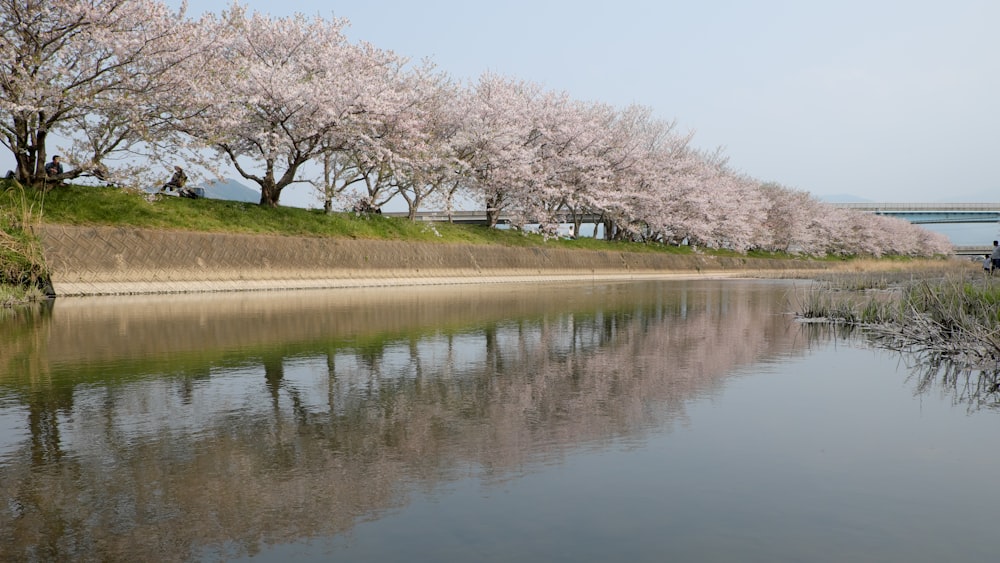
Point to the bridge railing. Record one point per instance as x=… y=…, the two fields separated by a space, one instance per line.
x=926 y=207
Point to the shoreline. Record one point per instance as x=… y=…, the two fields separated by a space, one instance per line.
x=145 y=288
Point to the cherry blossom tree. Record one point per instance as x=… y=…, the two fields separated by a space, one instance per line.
x=388 y=137
x=732 y=213
x=279 y=93
x=648 y=163
x=567 y=162
x=428 y=163
x=402 y=150
x=581 y=163
x=338 y=174
x=786 y=220
x=82 y=69
x=498 y=140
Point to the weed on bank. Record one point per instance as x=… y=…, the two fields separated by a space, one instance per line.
x=954 y=317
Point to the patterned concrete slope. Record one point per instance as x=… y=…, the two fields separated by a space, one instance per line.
x=113 y=260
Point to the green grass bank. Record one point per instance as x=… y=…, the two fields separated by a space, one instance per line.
x=105 y=236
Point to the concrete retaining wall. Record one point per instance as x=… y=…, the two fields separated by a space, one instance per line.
x=110 y=260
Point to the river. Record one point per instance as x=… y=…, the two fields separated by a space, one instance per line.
x=683 y=420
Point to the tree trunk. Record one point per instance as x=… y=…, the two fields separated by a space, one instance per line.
x=269 y=193
x=29 y=152
x=270 y=189
x=493 y=209
x=412 y=209
x=609 y=229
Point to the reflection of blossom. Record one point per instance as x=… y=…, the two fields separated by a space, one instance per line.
x=270 y=421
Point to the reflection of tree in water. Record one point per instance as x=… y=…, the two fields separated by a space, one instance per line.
x=970 y=375
x=974 y=387
x=968 y=382
x=45 y=407
x=23 y=335
x=304 y=445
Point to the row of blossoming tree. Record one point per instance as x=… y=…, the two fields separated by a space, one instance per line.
x=135 y=87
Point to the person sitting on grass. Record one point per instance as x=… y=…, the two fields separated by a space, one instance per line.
x=54 y=168
x=176 y=182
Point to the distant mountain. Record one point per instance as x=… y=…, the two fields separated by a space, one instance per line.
x=231 y=190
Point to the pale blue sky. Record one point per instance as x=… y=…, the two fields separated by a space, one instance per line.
x=887 y=100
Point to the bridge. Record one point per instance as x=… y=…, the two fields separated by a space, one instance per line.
x=938 y=213
x=932 y=213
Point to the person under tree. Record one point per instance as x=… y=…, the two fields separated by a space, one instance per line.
x=54 y=168
x=177 y=181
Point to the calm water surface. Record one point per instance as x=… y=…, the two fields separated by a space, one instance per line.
x=652 y=421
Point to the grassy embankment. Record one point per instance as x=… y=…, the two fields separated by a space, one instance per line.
x=943 y=306
x=22 y=268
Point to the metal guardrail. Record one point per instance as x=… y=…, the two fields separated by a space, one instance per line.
x=443 y=216
x=475 y=217
x=875 y=207
x=974 y=250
